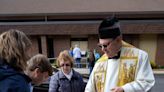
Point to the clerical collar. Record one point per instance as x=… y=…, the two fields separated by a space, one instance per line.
x=116 y=57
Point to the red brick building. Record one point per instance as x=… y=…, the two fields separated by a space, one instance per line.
x=57 y=25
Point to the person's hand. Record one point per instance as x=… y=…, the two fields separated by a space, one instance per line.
x=117 y=89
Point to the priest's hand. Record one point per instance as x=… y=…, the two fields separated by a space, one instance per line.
x=117 y=89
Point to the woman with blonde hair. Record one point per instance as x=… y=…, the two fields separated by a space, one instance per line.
x=67 y=79
x=14 y=46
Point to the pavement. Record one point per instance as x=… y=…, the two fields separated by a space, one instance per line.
x=86 y=71
x=158 y=71
x=82 y=70
x=159 y=82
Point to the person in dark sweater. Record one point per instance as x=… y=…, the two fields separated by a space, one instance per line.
x=14 y=46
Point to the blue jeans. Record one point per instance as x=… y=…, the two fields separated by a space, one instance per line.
x=90 y=70
x=78 y=62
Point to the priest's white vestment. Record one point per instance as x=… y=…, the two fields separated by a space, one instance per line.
x=132 y=71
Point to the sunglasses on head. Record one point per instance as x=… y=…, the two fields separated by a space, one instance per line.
x=62 y=65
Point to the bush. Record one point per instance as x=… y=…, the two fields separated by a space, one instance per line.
x=153 y=64
x=161 y=67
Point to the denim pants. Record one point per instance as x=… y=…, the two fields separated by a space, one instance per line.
x=78 y=62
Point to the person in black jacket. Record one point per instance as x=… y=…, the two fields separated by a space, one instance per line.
x=14 y=46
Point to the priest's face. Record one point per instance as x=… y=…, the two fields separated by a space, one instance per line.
x=110 y=46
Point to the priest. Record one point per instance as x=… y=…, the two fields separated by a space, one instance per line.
x=123 y=67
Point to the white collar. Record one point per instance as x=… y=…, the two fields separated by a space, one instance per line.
x=69 y=76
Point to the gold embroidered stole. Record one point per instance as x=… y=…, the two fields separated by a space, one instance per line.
x=128 y=64
x=127 y=67
x=100 y=73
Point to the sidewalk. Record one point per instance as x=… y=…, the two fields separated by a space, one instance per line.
x=86 y=71
x=158 y=71
x=82 y=70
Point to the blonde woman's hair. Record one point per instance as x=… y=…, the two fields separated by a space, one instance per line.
x=13 y=48
x=39 y=61
x=65 y=56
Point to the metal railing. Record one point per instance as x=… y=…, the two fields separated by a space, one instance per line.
x=84 y=63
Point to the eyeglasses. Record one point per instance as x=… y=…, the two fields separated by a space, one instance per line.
x=62 y=65
x=105 y=45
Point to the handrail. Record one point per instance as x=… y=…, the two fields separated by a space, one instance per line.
x=84 y=62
